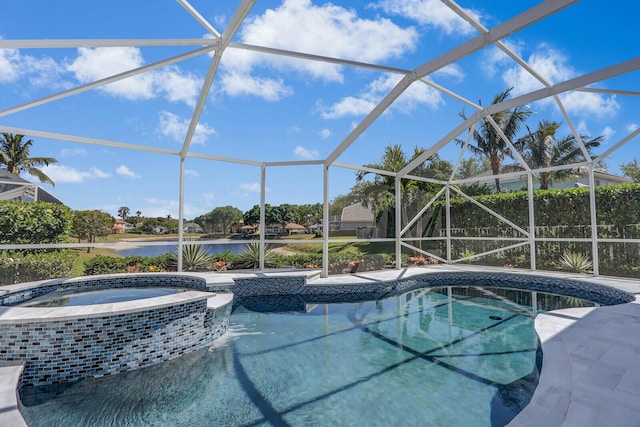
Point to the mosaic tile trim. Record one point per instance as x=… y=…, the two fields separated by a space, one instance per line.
x=107 y=282
x=59 y=351
x=68 y=351
x=291 y=285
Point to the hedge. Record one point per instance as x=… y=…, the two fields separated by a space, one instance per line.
x=19 y=268
x=33 y=222
x=559 y=213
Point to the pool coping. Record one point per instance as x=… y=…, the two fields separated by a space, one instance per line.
x=10 y=314
x=582 y=379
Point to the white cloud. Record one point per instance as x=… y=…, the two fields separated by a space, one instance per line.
x=430 y=12
x=552 y=65
x=66 y=174
x=94 y=64
x=452 y=72
x=244 y=84
x=191 y=172
x=348 y=106
x=416 y=94
x=253 y=187
x=99 y=63
x=123 y=170
x=325 y=133
x=305 y=153
x=9 y=65
x=582 y=129
x=176 y=128
x=177 y=85
x=301 y=26
x=494 y=58
x=608 y=133
x=37 y=71
x=71 y=152
x=585 y=103
x=632 y=127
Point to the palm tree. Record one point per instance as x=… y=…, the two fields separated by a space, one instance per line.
x=379 y=194
x=488 y=142
x=541 y=149
x=14 y=154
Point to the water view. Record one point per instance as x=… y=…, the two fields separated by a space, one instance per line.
x=151 y=251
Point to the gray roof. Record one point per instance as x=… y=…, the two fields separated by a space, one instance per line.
x=22 y=189
x=357 y=213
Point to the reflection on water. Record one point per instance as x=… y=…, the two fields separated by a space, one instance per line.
x=451 y=356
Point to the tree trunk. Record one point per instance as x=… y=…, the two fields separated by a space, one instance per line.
x=495 y=168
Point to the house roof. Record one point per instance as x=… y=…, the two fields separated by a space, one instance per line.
x=294 y=226
x=357 y=213
x=14 y=187
x=597 y=173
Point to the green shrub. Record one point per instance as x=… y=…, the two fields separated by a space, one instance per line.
x=250 y=257
x=102 y=264
x=575 y=262
x=20 y=268
x=194 y=258
x=33 y=222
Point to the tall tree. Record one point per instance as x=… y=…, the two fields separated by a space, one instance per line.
x=14 y=154
x=541 y=149
x=631 y=170
x=90 y=224
x=271 y=213
x=123 y=212
x=379 y=194
x=225 y=216
x=488 y=142
x=472 y=166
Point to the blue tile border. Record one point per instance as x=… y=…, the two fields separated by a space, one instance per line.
x=58 y=349
x=324 y=293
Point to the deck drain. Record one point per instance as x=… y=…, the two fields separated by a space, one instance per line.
x=495 y=317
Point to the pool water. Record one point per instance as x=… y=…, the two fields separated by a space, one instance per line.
x=104 y=296
x=430 y=357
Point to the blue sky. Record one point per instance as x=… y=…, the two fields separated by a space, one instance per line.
x=270 y=108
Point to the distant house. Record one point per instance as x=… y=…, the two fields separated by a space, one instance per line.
x=356 y=216
x=248 y=229
x=192 y=228
x=517 y=183
x=160 y=229
x=274 y=228
x=293 y=228
x=121 y=226
x=13 y=187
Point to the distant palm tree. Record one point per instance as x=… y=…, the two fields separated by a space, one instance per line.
x=540 y=149
x=379 y=194
x=488 y=142
x=14 y=154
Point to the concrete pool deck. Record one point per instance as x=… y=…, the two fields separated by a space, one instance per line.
x=591 y=356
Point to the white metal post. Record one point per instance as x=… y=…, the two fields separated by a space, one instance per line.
x=263 y=227
x=532 y=222
x=594 y=221
x=325 y=224
x=181 y=214
x=447 y=195
x=398 y=224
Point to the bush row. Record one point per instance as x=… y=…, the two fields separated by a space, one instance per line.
x=338 y=263
x=19 y=268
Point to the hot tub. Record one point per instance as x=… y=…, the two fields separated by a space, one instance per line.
x=69 y=330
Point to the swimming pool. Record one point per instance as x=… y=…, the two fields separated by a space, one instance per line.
x=446 y=356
